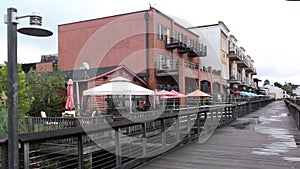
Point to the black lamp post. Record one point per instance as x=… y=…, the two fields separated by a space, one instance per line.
x=12 y=21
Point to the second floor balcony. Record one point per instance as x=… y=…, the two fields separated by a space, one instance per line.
x=166 y=68
x=235 y=78
x=235 y=54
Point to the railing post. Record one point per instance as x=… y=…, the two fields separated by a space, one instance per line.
x=163 y=134
x=198 y=124
x=118 y=147
x=178 y=129
x=144 y=138
x=4 y=153
x=189 y=127
x=26 y=155
x=249 y=106
x=80 y=152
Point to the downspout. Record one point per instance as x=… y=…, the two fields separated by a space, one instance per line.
x=146 y=16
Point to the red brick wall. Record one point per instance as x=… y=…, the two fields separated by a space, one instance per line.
x=44 y=66
x=103 y=42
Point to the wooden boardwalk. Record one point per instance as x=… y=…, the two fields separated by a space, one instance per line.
x=265 y=139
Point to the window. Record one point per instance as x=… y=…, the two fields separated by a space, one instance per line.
x=168 y=62
x=160 y=31
x=168 y=35
x=160 y=61
x=224 y=44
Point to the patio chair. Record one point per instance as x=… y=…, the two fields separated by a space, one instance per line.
x=69 y=114
x=43 y=114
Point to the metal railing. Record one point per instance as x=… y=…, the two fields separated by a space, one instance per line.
x=126 y=143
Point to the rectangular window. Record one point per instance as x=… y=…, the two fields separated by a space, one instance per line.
x=160 y=61
x=168 y=35
x=224 y=44
x=160 y=31
x=168 y=62
x=180 y=38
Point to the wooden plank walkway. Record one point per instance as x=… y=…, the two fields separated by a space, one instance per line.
x=264 y=139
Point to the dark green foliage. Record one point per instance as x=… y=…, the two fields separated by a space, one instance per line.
x=48 y=89
x=24 y=101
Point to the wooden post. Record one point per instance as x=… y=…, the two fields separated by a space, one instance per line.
x=80 y=152
x=144 y=138
x=163 y=134
x=118 y=147
x=177 y=129
x=26 y=155
x=198 y=124
x=189 y=127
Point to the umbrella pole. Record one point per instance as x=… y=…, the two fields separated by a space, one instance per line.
x=130 y=105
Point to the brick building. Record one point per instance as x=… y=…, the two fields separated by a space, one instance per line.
x=149 y=43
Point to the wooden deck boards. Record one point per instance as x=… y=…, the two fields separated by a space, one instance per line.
x=261 y=140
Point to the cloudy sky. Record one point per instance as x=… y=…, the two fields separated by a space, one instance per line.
x=267 y=29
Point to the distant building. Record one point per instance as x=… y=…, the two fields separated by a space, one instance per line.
x=225 y=56
x=275 y=92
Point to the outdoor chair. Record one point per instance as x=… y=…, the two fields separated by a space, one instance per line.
x=69 y=113
x=46 y=122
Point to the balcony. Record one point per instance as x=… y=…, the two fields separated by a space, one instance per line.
x=243 y=62
x=235 y=54
x=250 y=70
x=166 y=68
x=235 y=78
x=173 y=43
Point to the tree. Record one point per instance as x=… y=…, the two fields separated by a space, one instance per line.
x=289 y=88
x=49 y=91
x=266 y=82
x=24 y=100
x=278 y=84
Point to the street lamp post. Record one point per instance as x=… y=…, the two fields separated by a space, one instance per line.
x=12 y=21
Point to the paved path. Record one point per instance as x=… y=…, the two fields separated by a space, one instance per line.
x=264 y=139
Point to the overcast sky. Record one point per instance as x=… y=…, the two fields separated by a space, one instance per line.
x=269 y=30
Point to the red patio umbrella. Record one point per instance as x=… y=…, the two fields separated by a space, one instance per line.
x=175 y=96
x=70 y=100
x=237 y=92
x=164 y=93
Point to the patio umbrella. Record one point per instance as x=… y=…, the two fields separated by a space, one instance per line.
x=199 y=94
x=164 y=93
x=237 y=92
x=70 y=100
x=175 y=96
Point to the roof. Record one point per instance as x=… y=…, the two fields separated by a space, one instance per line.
x=82 y=74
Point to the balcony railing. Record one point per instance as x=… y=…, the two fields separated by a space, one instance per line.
x=193 y=49
x=173 y=43
x=243 y=62
x=235 y=54
x=166 y=68
x=235 y=78
x=191 y=65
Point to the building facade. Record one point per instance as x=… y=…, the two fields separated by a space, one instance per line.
x=226 y=58
x=152 y=45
